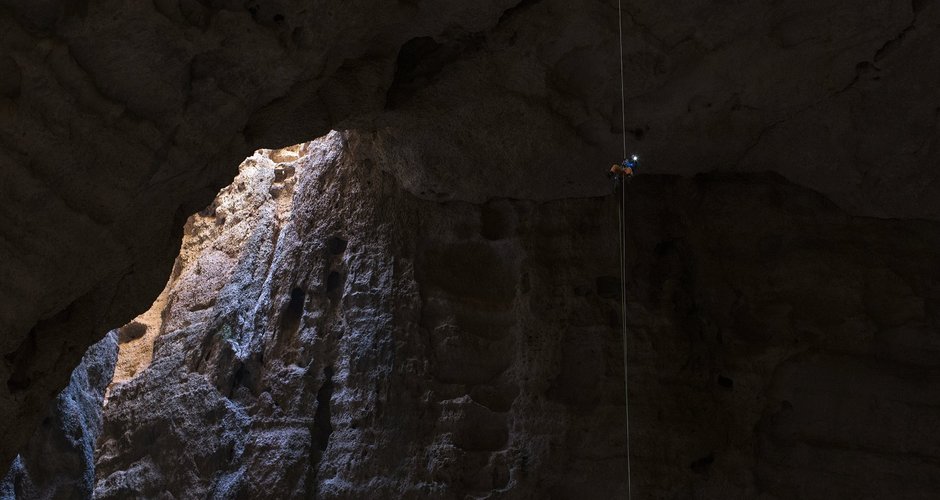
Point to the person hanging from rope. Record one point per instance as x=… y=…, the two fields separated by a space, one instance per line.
x=624 y=171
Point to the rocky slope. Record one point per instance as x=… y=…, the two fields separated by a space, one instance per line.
x=328 y=334
x=59 y=460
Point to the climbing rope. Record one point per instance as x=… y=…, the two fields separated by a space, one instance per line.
x=623 y=285
x=623 y=105
x=623 y=322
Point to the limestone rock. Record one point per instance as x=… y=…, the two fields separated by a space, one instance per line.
x=368 y=343
x=58 y=461
x=119 y=119
x=328 y=334
x=781 y=348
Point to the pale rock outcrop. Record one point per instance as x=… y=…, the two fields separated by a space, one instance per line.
x=328 y=334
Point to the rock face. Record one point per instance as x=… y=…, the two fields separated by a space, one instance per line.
x=119 y=119
x=58 y=461
x=327 y=334
x=781 y=348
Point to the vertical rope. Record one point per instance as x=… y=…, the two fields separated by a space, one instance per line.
x=623 y=323
x=623 y=281
x=623 y=105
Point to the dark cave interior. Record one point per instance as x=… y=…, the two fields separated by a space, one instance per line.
x=409 y=287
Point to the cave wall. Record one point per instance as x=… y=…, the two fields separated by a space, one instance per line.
x=59 y=458
x=119 y=119
x=781 y=348
x=372 y=343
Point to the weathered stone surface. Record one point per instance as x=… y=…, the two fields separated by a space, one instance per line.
x=118 y=119
x=374 y=344
x=365 y=341
x=58 y=461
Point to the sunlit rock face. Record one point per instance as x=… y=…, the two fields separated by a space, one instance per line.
x=119 y=119
x=328 y=334
x=59 y=459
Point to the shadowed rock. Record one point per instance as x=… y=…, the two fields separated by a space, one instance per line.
x=773 y=337
x=58 y=461
x=120 y=119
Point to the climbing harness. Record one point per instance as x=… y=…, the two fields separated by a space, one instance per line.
x=623 y=286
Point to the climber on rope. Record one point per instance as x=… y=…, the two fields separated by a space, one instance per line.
x=624 y=171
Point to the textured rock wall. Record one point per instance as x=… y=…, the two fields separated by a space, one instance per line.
x=118 y=119
x=328 y=334
x=781 y=348
x=59 y=462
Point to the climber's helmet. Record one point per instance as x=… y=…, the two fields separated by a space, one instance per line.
x=632 y=162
